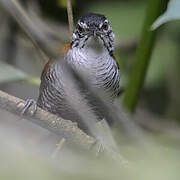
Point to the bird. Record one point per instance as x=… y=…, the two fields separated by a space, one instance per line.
x=90 y=55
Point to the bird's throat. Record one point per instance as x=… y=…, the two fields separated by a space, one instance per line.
x=94 y=46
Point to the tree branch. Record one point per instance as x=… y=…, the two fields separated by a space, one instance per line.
x=38 y=32
x=70 y=17
x=53 y=123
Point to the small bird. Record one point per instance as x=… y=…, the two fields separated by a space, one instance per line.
x=90 y=54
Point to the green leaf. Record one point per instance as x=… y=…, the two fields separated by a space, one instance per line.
x=172 y=13
x=9 y=73
x=163 y=59
x=143 y=55
x=34 y=81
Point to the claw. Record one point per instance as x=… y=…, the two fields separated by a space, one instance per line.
x=101 y=147
x=29 y=102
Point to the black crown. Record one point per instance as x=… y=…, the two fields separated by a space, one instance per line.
x=92 y=19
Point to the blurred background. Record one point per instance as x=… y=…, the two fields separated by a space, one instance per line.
x=21 y=64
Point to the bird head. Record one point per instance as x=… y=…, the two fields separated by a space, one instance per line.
x=93 y=27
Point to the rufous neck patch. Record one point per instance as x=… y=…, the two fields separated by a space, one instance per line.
x=66 y=48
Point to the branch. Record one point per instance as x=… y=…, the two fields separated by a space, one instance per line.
x=53 y=123
x=34 y=28
x=70 y=17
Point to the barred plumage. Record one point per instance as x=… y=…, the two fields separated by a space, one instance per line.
x=91 y=57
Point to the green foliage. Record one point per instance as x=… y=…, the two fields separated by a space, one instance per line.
x=144 y=51
x=172 y=13
x=126 y=18
x=33 y=81
x=9 y=73
x=163 y=59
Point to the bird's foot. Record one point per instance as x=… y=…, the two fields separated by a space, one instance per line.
x=100 y=146
x=29 y=103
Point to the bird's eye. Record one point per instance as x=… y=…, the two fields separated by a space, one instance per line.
x=80 y=29
x=105 y=26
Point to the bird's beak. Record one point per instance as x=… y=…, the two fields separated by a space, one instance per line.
x=94 y=33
